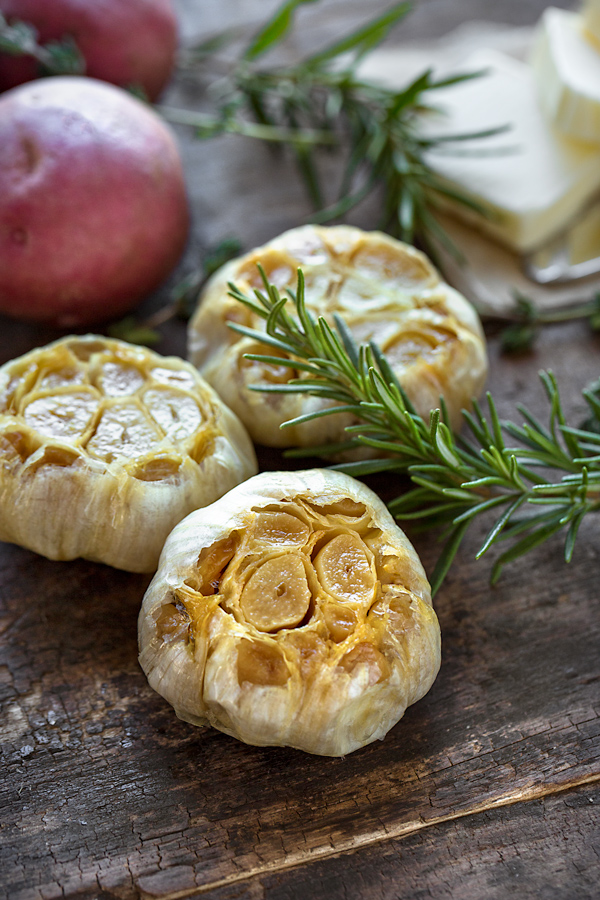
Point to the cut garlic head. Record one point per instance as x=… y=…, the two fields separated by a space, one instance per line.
x=104 y=447
x=384 y=290
x=291 y=612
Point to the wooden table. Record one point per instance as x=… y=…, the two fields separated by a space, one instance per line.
x=489 y=786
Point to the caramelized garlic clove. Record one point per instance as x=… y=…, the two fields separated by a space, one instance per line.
x=366 y=659
x=117 y=379
x=280 y=528
x=261 y=663
x=340 y=621
x=174 y=411
x=172 y=623
x=64 y=416
x=123 y=430
x=212 y=561
x=277 y=594
x=344 y=569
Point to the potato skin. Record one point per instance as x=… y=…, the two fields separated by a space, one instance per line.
x=94 y=212
x=125 y=43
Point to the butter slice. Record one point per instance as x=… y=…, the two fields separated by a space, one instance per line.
x=567 y=69
x=590 y=14
x=531 y=180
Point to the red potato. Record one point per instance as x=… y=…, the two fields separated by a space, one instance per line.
x=93 y=209
x=126 y=42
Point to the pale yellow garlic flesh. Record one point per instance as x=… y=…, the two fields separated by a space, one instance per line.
x=104 y=447
x=291 y=612
x=384 y=290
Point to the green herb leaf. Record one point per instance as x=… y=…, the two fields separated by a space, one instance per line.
x=63 y=58
x=365 y=38
x=128 y=329
x=275 y=29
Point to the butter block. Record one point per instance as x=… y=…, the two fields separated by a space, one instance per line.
x=590 y=14
x=566 y=66
x=532 y=180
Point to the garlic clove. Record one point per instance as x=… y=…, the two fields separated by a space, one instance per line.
x=277 y=594
x=344 y=569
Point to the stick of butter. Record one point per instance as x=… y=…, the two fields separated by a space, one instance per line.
x=566 y=66
x=590 y=14
x=532 y=180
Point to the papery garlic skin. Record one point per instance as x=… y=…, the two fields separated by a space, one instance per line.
x=385 y=291
x=325 y=674
x=104 y=447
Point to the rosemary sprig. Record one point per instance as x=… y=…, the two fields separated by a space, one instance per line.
x=62 y=57
x=455 y=479
x=322 y=101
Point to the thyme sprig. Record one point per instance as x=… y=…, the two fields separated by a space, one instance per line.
x=323 y=101
x=18 y=38
x=545 y=483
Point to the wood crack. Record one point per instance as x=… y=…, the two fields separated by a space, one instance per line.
x=374 y=838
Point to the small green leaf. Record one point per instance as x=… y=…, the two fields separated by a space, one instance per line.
x=365 y=38
x=518 y=338
x=409 y=95
x=275 y=29
x=217 y=255
x=259 y=336
x=500 y=524
x=572 y=534
x=526 y=544
x=347 y=339
x=18 y=38
x=367 y=466
x=128 y=329
x=447 y=556
x=64 y=58
x=319 y=414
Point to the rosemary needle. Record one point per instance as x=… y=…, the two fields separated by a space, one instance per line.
x=547 y=482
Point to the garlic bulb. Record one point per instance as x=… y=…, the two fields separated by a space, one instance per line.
x=385 y=291
x=291 y=612
x=104 y=447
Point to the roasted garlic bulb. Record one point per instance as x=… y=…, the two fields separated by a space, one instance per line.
x=385 y=291
x=104 y=447
x=291 y=612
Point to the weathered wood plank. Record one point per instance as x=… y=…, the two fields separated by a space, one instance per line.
x=105 y=789
x=547 y=848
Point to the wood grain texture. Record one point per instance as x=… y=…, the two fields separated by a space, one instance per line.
x=489 y=785
x=539 y=850
x=106 y=790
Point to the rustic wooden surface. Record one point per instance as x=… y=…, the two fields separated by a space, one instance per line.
x=488 y=787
